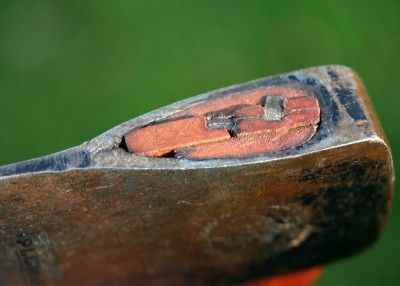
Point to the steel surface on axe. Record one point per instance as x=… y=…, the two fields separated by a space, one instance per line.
x=258 y=180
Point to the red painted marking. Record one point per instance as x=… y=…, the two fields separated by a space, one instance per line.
x=301 y=278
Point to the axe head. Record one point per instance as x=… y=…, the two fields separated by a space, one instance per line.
x=254 y=180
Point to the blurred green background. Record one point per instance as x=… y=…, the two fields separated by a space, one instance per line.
x=70 y=70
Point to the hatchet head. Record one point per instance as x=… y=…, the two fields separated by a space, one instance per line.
x=254 y=180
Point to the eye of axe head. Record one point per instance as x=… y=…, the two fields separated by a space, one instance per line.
x=255 y=180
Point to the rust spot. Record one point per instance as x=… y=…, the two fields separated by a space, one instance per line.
x=244 y=124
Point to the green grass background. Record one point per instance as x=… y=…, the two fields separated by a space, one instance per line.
x=70 y=70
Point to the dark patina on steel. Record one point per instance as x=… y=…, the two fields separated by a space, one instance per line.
x=113 y=211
